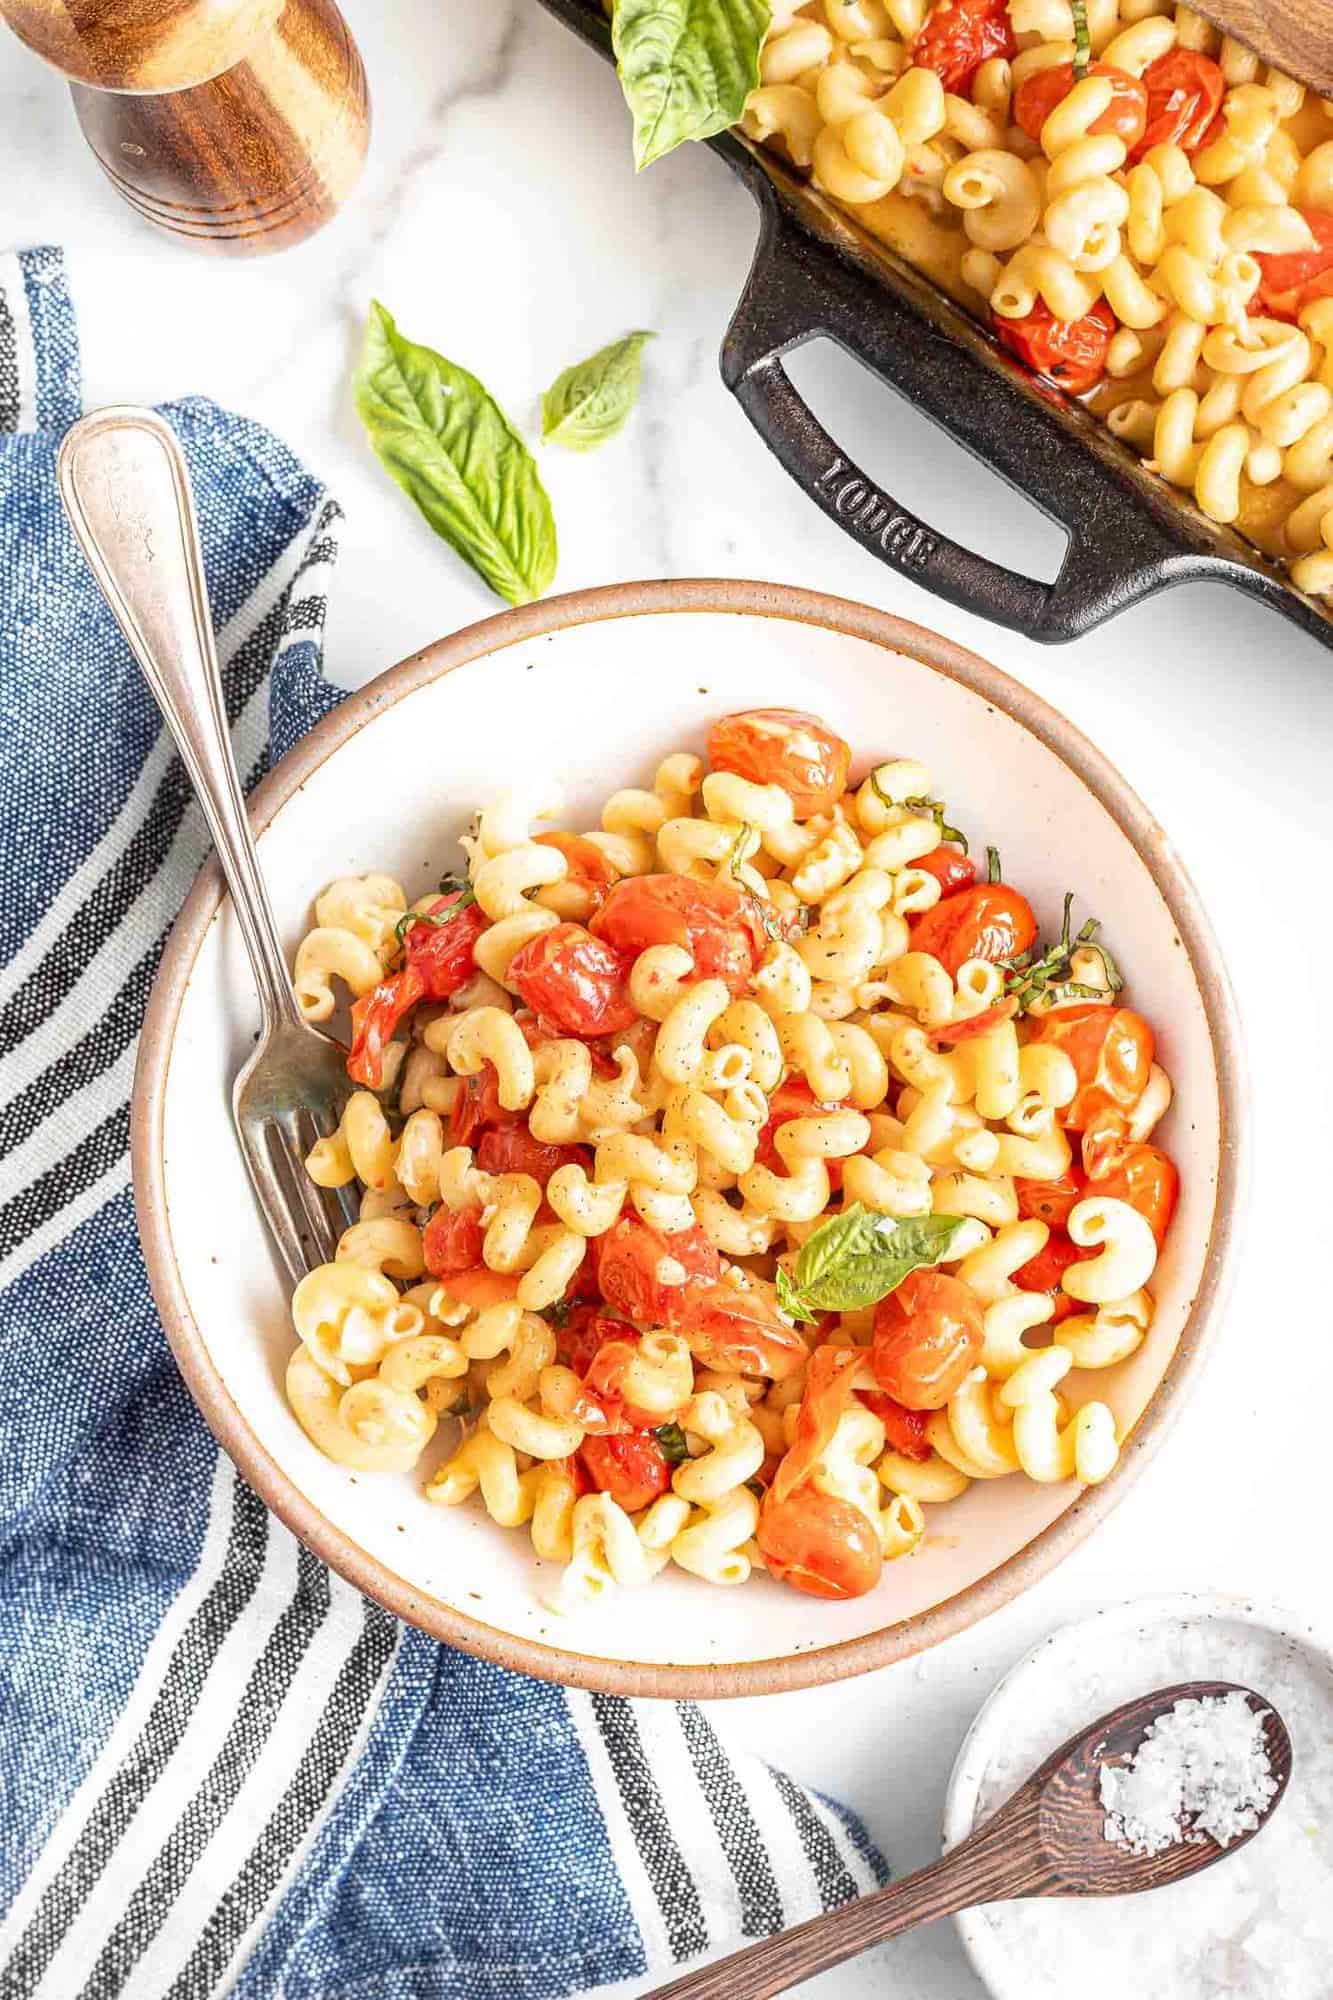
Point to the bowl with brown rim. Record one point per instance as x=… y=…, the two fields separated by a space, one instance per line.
x=593 y=688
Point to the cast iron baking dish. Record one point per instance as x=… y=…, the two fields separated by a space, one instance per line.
x=815 y=273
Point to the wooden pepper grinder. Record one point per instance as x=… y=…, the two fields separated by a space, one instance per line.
x=240 y=124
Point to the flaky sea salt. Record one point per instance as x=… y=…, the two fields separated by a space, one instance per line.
x=1201 y=1771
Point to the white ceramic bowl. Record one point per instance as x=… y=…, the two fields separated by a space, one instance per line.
x=595 y=687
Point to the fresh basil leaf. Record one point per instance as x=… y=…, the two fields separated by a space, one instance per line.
x=859 y=1257
x=559 y=1314
x=453 y=451
x=789 y=1299
x=672 y=1440
x=591 y=402
x=686 y=67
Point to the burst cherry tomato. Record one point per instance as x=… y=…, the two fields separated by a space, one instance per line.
x=1069 y=352
x=646 y=1274
x=1184 y=96
x=793 y=1098
x=585 y=1333
x=574 y=981
x=1037 y=96
x=1044 y=1272
x=477 y=1108
x=991 y=921
x=740 y=1327
x=1144 y=1177
x=452 y=1241
x=1291 y=281
x=588 y=868
x=443 y=952
x=951 y=869
x=928 y=1334
x=783 y=746
x=374 y=1018
x=632 y=1468
x=511 y=1149
x=716 y=922
x=976 y=1024
x=1111 y=1049
x=959 y=36
x=819 y=1544
x=480 y=1288
x=904 y=1430
x=1051 y=1201
x=827 y=1392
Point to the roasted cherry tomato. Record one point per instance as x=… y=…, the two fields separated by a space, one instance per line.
x=440 y=947
x=511 y=1149
x=632 y=1467
x=574 y=1471
x=819 y=1544
x=928 y=1334
x=793 y=1098
x=452 y=1240
x=1044 y=1272
x=975 y=1024
x=1051 y=1201
x=904 y=1430
x=1144 y=1177
x=585 y=1333
x=480 y=1287
x=646 y=1275
x=959 y=36
x=1069 y=352
x=1111 y=1049
x=951 y=869
x=1125 y=116
x=1184 y=96
x=739 y=1327
x=477 y=1108
x=990 y=921
x=573 y=981
x=783 y=746
x=826 y=1394
x=1291 y=281
x=718 y=923
x=588 y=871
x=374 y=1018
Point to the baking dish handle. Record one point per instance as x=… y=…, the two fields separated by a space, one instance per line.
x=1117 y=554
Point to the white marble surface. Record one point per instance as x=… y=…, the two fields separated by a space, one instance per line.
x=500 y=220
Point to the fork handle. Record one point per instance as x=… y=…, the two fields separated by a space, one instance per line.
x=126 y=488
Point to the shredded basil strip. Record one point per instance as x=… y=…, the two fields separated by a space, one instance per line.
x=1031 y=974
x=672 y=1440
x=559 y=1314
x=1082 y=40
x=937 y=809
x=993 y=864
x=437 y=919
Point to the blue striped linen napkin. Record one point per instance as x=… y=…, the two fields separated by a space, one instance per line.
x=221 y=1768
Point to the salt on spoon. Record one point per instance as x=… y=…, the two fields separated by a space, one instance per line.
x=1055 y=1836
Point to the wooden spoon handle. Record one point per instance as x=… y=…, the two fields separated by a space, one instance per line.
x=1296 y=35
x=982 y=1869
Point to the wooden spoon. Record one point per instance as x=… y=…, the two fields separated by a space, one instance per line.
x=1046 y=1841
x=1296 y=35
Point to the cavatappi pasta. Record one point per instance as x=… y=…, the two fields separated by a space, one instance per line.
x=743 y=1171
x=1144 y=216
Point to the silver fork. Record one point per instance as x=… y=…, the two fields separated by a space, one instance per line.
x=126 y=489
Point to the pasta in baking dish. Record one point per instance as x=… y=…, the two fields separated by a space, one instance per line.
x=745 y=1172
x=1138 y=206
